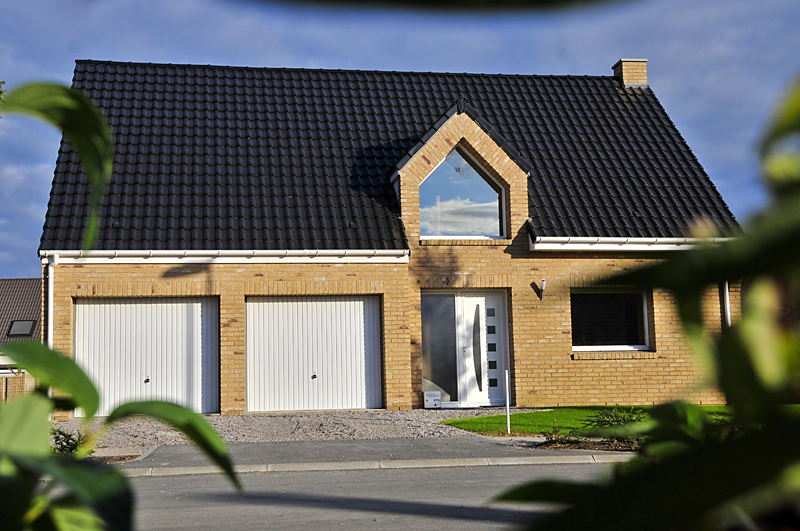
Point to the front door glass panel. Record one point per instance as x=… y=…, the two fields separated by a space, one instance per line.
x=439 y=364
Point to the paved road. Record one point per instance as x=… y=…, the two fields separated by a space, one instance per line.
x=419 y=499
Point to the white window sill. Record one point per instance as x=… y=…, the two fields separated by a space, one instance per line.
x=609 y=348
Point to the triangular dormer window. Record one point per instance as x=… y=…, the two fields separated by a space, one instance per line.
x=459 y=200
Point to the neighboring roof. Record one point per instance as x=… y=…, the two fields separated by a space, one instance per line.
x=20 y=300
x=235 y=158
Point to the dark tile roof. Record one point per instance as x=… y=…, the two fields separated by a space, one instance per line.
x=214 y=157
x=20 y=300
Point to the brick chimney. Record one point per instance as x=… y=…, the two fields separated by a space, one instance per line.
x=631 y=71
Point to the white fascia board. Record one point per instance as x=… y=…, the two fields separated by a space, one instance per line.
x=569 y=243
x=335 y=256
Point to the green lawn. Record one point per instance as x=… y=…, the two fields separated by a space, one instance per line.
x=564 y=419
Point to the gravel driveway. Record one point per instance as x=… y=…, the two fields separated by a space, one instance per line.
x=295 y=426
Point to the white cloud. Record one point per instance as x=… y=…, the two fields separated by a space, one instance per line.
x=459 y=217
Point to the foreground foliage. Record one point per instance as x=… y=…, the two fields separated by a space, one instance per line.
x=692 y=472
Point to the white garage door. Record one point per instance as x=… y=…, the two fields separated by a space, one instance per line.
x=150 y=349
x=313 y=353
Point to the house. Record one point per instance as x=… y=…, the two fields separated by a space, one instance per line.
x=279 y=239
x=20 y=320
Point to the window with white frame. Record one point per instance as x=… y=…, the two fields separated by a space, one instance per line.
x=457 y=200
x=609 y=320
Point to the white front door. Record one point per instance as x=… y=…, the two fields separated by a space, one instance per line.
x=464 y=347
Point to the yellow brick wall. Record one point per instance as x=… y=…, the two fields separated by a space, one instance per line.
x=232 y=284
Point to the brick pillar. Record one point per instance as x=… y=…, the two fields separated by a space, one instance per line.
x=231 y=350
x=398 y=364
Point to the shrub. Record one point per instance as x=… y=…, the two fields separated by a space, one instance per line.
x=64 y=442
x=609 y=418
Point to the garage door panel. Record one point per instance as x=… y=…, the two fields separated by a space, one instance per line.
x=150 y=349
x=313 y=353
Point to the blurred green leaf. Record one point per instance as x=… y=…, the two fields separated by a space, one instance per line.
x=765 y=339
x=782 y=173
x=688 y=417
x=65 y=404
x=785 y=119
x=678 y=491
x=754 y=357
x=189 y=423
x=676 y=422
x=551 y=491
x=101 y=487
x=15 y=491
x=39 y=517
x=24 y=428
x=662 y=449
x=81 y=123
x=53 y=369
x=70 y=515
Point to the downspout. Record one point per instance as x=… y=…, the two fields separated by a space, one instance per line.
x=52 y=261
x=726 y=303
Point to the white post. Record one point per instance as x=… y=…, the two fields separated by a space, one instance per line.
x=508 y=410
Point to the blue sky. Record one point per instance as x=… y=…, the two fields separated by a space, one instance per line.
x=717 y=67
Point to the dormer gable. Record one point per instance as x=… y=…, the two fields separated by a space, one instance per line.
x=491 y=189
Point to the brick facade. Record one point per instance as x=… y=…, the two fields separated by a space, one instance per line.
x=545 y=371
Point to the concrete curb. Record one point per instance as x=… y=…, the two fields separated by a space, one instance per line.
x=586 y=459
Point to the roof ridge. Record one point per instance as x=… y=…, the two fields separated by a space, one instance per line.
x=344 y=70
